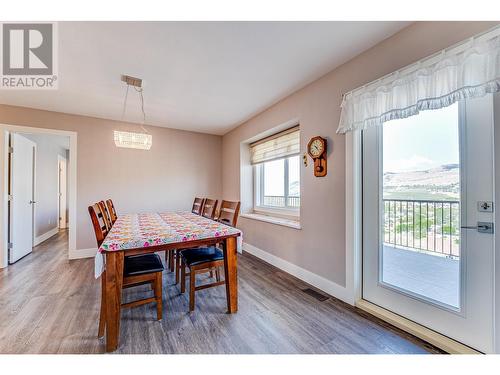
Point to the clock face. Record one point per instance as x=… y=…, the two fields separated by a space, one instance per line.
x=316 y=148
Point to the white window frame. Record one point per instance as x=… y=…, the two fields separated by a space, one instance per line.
x=259 y=207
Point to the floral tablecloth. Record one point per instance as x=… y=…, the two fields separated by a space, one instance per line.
x=132 y=231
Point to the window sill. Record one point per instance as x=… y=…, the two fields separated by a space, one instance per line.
x=273 y=220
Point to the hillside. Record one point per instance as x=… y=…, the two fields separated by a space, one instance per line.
x=438 y=183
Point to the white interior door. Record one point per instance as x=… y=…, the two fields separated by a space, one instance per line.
x=428 y=188
x=22 y=197
x=62 y=191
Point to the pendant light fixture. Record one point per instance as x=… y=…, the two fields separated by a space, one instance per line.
x=139 y=141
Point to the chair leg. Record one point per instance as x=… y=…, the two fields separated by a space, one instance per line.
x=192 y=277
x=171 y=260
x=183 y=278
x=159 y=296
x=217 y=274
x=177 y=265
x=102 y=313
x=211 y=273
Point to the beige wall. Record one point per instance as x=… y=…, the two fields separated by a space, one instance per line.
x=179 y=165
x=319 y=246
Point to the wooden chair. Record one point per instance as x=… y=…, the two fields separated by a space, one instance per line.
x=205 y=259
x=111 y=211
x=209 y=208
x=228 y=213
x=138 y=270
x=197 y=206
x=103 y=212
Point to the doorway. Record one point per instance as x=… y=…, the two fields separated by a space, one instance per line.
x=38 y=180
x=46 y=203
x=428 y=244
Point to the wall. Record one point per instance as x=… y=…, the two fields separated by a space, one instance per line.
x=180 y=165
x=47 y=180
x=319 y=247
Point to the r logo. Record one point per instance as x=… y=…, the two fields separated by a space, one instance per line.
x=27 y=49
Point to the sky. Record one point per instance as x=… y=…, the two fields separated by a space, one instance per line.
x=274 y=177
x=421 y=142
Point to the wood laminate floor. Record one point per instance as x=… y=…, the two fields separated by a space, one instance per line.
x=49 y=304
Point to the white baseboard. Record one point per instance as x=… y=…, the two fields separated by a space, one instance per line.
x=448 y=345
x=82 y=253
x=317 y=281
x=45 y=236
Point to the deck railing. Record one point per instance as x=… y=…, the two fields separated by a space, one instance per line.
x=279 y=201
x=423 y=224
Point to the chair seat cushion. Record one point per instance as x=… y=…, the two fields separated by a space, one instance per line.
x=142 y=264
x=201 y=255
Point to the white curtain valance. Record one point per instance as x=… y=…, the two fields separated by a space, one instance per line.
x=472 y=69
x=278 y=146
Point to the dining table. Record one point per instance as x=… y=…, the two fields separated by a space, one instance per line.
x=143 y=233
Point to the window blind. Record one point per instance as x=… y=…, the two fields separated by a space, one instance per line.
x=277 y=146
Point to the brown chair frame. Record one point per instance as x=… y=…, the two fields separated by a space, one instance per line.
x=228 y=215
x=105 y=215
x=197 y=205
x=209 y=208
x=153 y=278
x=111 y=211
x=100 y=227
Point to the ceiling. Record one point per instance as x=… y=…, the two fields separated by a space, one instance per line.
x=200 y=76
x=57 y=140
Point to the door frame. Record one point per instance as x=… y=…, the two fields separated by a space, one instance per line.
x=5 y=130
x=59 y=160
x=354 y=244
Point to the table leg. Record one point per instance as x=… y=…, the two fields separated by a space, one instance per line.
x=231 y=274
x=114 y=282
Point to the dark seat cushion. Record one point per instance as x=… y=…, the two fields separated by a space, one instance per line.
x=201 y=255
x=142 y=264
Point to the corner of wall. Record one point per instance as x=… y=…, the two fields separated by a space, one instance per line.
x=82 y=253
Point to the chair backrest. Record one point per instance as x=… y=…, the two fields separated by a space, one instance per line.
x=97 y=218
x=228 y=213
x=197 y=206
x=105 y=215
x=111 y=211
x=209 y=208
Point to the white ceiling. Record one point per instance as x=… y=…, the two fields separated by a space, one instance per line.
x=57 y=140
x=201 y=76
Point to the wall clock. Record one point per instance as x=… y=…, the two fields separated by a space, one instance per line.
x=316 y=148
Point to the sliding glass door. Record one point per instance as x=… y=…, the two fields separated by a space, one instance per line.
x=428 y=219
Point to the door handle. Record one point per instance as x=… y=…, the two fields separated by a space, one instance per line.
x=31 y=202
x=482 y=227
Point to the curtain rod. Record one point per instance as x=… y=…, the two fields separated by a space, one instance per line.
x=486 y=34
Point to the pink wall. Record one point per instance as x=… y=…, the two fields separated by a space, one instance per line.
x=179 y=166
x=320 y=245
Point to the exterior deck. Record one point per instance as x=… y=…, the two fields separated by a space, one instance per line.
x=434 y=276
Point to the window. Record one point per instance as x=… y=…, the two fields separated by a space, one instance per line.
x=276 y=163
